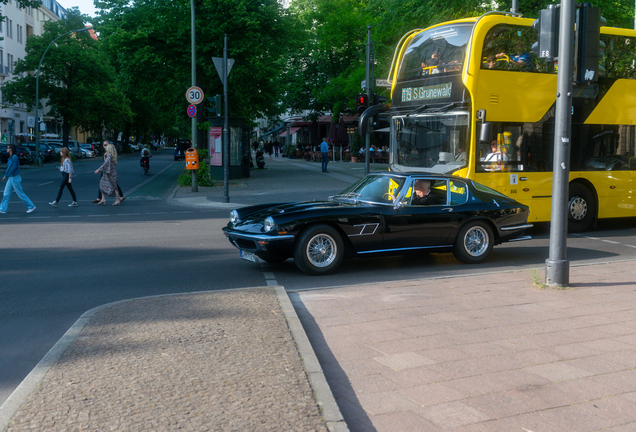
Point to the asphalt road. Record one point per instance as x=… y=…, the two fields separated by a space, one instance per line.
x=58 y=263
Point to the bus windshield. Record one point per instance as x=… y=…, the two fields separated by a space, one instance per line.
x=435 y=141
x=438 y=50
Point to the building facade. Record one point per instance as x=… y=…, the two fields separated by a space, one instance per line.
x=19 y=23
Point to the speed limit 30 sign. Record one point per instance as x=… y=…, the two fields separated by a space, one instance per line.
x=194 y=95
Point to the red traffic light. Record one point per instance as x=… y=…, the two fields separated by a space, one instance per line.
x=362 y=100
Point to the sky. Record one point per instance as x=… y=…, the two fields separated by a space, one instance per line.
x=85 y=6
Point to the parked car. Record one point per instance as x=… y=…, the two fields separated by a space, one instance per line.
x=180 y=149
x=4 y=153
x=45 y=151
x=133 y=147
x=73 y=146
x=378 y=215
x=24 y=155
x=88 y=150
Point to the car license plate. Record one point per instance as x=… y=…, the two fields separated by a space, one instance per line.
x=247 y=256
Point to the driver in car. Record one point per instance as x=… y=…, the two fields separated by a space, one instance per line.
x=422 y=194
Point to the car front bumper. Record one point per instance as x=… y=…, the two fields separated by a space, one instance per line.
x=262 y=245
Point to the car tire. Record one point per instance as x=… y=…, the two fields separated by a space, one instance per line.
x=581 y=208
x=474 y=243
x=319 y=250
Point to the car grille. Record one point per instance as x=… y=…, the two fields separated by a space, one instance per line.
x=242 y=244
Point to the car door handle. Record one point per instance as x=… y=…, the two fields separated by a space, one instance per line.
x=523 y=178
x=448 y=209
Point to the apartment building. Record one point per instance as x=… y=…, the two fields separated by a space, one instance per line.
x=19 y=23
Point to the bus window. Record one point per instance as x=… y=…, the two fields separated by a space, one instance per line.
x=438 y=50
x=617 y=59
x=508 y=47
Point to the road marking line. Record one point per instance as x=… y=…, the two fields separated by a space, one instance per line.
x=182 y=212
x=128 y=214
x=156 y=213
x=38 y=217
x=631 y=246
x=7 y=218
x=98 y=215
x=610 y=241
x=69 y=216
x=44 y=184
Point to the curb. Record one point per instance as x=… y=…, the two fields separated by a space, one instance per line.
x=324 y=397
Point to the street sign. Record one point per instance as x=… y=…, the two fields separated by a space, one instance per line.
x=194 y=95
x=218 y=63
x=379 y=82
x=192 y=110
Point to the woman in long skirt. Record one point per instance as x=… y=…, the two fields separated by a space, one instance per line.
x=108 y=182
x=67 y=173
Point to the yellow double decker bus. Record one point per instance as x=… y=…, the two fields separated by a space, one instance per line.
x=469 y=97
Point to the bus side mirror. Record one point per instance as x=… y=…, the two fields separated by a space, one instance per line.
x=485 y=132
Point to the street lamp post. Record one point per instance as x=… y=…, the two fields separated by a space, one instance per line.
x=37 y=92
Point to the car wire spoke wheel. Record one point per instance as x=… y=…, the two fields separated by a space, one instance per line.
x=476 y=241
x=319 y=250
x=322 y=250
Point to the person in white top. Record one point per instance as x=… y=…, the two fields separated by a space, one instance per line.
x=495 y=157
x=67 y=174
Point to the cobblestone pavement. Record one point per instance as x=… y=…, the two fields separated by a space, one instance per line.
x=223 y=361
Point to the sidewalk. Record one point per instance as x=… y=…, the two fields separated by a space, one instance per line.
x=478 y=353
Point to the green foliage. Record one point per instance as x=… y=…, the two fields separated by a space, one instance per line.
x=356 y=144
x=74 y=77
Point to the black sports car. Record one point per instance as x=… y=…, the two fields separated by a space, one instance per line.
x=381 y=214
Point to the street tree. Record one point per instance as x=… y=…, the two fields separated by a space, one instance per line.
x=74 y=78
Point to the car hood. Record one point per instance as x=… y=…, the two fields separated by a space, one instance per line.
x=288 y=211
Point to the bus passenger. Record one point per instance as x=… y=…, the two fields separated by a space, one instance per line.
x=521 y=60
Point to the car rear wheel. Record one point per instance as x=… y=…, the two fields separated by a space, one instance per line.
x=319 y=250
x=474 y=243
x=581 y=208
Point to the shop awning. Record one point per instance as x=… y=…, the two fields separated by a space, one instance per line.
x=291 y=131
x=274 y=130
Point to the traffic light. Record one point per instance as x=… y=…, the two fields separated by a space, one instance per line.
x=587 y=43
x=215 y=106
x=547 y=25
x=362 y=101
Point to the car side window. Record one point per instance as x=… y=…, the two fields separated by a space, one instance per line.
x=458 y=192
x=436 y=196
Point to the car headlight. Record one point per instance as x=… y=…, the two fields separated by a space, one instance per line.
x=234 y=217
x=269 y=224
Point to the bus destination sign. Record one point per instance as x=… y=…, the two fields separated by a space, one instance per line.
x=439 y=91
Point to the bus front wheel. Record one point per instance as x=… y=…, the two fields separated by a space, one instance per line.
x=581 y=208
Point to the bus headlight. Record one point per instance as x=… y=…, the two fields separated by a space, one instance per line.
x=269 y=224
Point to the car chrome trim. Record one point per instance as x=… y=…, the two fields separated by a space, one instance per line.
x=409 y=248
x=258 y=236
x=363 y=228
x=520 y=238
x=518 y=227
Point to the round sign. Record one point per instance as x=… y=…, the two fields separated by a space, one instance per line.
x=194 y=95
x=192 y=110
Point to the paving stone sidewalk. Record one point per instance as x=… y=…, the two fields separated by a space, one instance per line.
x=223 y=361
x=480 y=353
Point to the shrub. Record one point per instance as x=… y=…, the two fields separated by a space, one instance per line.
x=203 y=173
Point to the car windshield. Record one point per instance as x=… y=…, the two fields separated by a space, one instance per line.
x=382 y=189
x=434 y=141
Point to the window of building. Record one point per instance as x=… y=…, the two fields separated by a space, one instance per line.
x=10 y=29
x=2 y=61
x=10 y=62
x=19 y=31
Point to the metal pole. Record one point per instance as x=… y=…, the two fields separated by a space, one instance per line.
x=557 y=268
x=368 y=137
x=195 y=179
x=515 y=6
x=226 y=129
